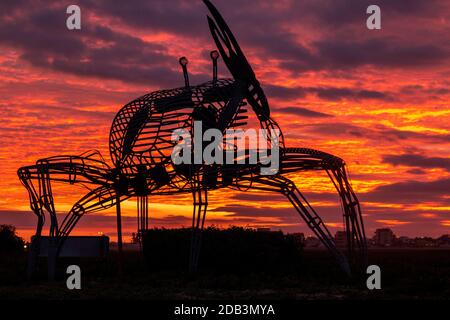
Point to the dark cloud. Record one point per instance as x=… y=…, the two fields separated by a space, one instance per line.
x=411 y=192
x=411 y=89
x=45 y=42
x=394 y=134
x=340 y=54
x=347 y=45
x=326 y=93
x=26 y=219
x=176 y=14
x=40 y=34
x=419 y=89
x=281 y=92
x=336 y=129
x=47 y=112
x=20 y=219
x=416 y=171
x=303 y=112
x=274 y=216
x=338 y=14
x=416 y=160
x=377 y=132
x=336 y=50
x=278 y=197
x=157 y=15
x=336 y=94
x=259 y=196
x=249 y=211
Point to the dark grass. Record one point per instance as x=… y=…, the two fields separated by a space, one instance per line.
x=312 y=274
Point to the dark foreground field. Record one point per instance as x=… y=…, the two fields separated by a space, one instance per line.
x=406 y=274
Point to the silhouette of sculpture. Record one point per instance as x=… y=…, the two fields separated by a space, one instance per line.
x=140 y=146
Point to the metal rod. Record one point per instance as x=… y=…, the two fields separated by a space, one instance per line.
x=119 y=235
x=214 y=56
x=183 y=62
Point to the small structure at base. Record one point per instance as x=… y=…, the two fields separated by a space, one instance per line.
x=79 y=246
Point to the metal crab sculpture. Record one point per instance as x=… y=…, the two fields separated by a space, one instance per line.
x=140 y=147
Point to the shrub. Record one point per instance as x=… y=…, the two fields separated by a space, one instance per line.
x=10 y=242
x=235 y=249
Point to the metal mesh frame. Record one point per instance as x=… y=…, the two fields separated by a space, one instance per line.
x=140 y=146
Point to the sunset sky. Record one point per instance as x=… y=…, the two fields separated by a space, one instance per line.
x=377 y=98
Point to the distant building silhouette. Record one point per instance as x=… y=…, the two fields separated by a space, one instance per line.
x=299 y=239
x=340 y=238
x=312 y=242
x=405 y=241
x=384 y=237
x=443 y=241
x=424 y=242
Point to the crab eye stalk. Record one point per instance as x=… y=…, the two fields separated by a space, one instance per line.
x=214 y=56
x=183 y=62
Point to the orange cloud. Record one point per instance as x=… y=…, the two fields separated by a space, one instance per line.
x=392 y=222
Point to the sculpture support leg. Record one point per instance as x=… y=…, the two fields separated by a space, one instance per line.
x=200 y=197
x=96 y=200
x=36 y=205
x=356 y=238
x=46 y=194
x=303 y=159
x=307 y=212
x=142 y=217
x=119 y=235
x=52 y=256
x=33 y=253
x=69 y=169
x=315 y=223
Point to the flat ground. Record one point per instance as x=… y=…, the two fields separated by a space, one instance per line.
x=406 y=274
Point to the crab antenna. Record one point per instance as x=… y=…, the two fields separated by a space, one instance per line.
x=183 y=62
x=214 y=56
